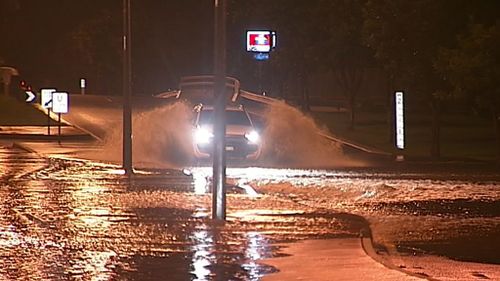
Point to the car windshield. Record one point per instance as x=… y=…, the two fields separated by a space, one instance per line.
x=233 y=117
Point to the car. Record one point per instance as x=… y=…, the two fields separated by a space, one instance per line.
x=243 y=141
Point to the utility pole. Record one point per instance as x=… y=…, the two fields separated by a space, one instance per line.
x=219 y=153
x=127 y=89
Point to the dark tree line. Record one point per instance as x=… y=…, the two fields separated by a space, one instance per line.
x=436 y=50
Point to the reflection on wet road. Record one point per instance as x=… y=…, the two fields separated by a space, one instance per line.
x=81 y=220
x=453 y=213
x=72 y=219
x=15 y=163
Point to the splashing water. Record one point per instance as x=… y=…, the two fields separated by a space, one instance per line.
x=161 y=137
x=291 y=139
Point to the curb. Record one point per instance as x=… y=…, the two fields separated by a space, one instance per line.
x=64 y=121
x=46 y=137
x=367 y=245
x=23 y=147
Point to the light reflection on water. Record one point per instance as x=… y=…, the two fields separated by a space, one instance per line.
x=77 y=220
x=203 y=257
x=92 y=265
x=419 y=209
x=438 y=212
x=256 y=245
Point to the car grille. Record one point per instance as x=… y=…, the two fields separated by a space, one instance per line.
x=236 y=147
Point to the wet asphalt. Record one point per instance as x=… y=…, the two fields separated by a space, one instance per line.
x=79 y=220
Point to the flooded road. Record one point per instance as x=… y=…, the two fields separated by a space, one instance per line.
x=70 y=219
x=65 y=218
x=80 y=220
x=452 y=212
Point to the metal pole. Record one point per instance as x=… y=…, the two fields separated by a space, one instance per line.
x=48 y=121
x=219 y=154
x=127 y=89
x=259 y=64
x=59 y=128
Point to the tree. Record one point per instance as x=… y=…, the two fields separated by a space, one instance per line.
x=405 y=36
x=296 y=24
x=94 y=49
x=473 y=69
x=313 y=36
x=341 y=47
x=171 y=39
x=7 y=8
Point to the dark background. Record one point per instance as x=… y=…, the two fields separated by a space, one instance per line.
x=347 y=54
x=56 y=42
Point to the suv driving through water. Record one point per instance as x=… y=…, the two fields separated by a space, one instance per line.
x=242 y=139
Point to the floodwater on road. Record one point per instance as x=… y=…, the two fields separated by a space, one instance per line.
x=468 y=203
x=414 y=211
x=68 y=219
x=84 y=220
x=80 y=220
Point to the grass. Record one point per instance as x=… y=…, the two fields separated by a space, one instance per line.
x=462 y=136
x=14 y=112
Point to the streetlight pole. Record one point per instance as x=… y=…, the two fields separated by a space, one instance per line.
x=219 y=153
x=127 y=89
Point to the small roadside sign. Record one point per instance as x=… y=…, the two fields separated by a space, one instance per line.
x=83 y=84
x=400 y=121
x=60 y=102
x=46 y=100
x=30 y=96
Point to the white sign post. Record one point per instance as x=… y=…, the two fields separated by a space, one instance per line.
x=83 y=85
x=59 y=105
x=60 y=102
x=260 y=43
x=30 y=96
x=46 y=103
x=400 y=122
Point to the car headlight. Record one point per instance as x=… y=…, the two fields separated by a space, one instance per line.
x=252 y=137
x=202 y=135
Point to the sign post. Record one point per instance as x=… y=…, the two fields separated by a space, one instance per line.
x=30 y=96
x=400 y=123
x=127 y=90
x=46 y=103
x=83 y=85
x=59 y=105
x=260 y=43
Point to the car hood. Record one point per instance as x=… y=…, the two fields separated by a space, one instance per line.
x=233 y=130
x=236 y=130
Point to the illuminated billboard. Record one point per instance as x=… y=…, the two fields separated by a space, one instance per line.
x=261 y=41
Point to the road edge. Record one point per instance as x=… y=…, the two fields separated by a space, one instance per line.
x=367 y=245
